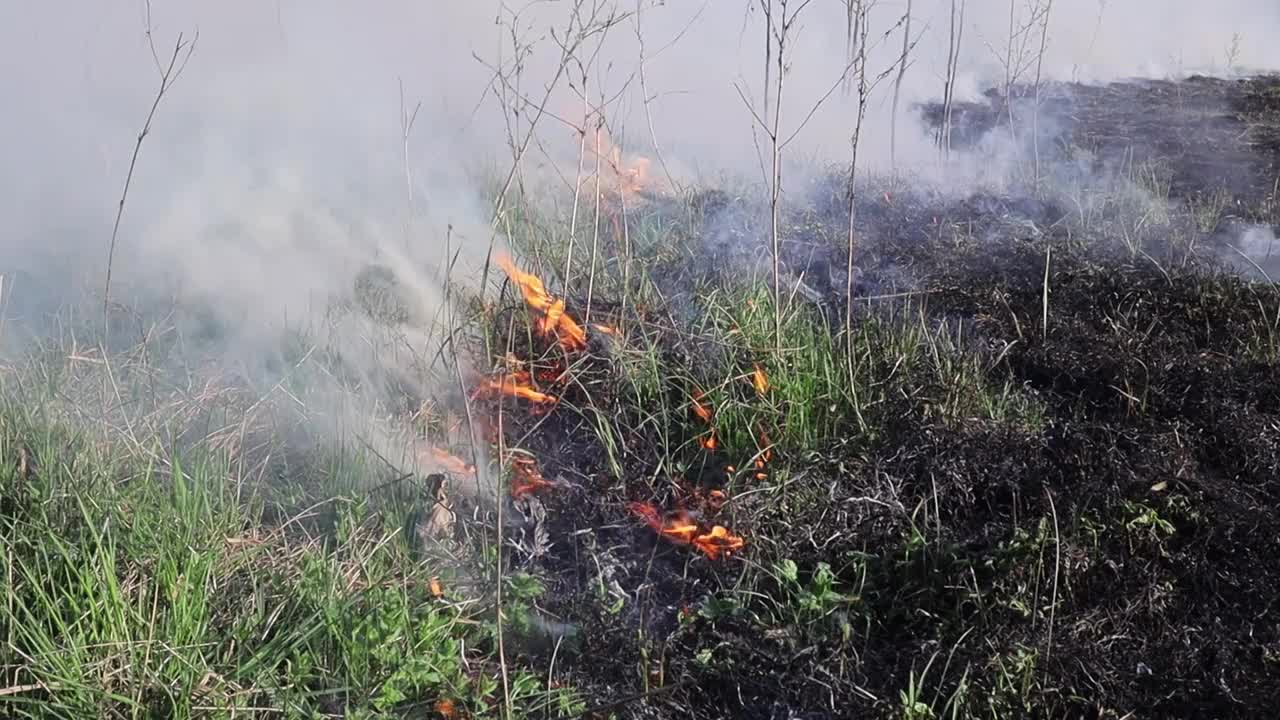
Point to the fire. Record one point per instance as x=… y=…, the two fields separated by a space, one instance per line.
x=718 y=541
x=554 y=320
x=526 y=478
x=518 y=384
x=553 y=374
x=708 y=441
x=451 y=463
x=446 y=709
x=680 y=527
x=760 y=380
x=702 y=411
x=766 y=454
x=631 y=175
x=713 y=499
x=717 y=497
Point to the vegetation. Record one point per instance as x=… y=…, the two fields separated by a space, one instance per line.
x=1040 y=479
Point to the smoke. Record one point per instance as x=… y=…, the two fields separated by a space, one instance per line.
x=287 y=121
x=278 y=165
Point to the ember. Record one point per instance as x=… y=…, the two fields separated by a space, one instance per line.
x=718 y=497
x=526 y=478
x=713 y=499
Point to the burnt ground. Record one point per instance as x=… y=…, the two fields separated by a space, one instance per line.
x=1113 y=554
x=1145 y=504
x=1202 y=135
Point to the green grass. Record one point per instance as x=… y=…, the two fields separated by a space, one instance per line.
x=138 y=584
x=152 y=572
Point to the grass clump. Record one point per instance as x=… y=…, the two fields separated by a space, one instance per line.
x=139 y=585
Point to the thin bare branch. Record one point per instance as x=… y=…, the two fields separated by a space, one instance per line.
x=182 y=50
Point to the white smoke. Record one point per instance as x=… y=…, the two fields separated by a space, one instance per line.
x=276 y=164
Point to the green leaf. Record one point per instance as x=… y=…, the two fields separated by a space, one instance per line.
x=788 y=570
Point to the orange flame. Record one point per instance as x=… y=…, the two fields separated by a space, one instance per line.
x=766 y=454
x=554 y=321
x=708 y=441
x=681 y=528
x=760 y=380
x=446 y=709
x=518 y=384
x=451 y=463
x=767 y=450
x=718 y=541
x=699 y=409
x=630 y=175
x=526 y=478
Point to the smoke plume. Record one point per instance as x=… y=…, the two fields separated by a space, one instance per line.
x=282 y=160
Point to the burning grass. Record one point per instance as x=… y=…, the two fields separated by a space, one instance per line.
x=978 y=482
x=681 y=527
x=1042 y=484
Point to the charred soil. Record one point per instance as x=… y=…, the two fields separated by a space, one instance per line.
x=1109 y=546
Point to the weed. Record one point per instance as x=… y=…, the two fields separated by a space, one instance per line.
x=148 y=589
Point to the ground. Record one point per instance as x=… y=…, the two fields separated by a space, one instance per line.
x=1038 y=478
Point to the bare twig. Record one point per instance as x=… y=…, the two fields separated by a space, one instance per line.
x=1057 y=569
x=479 y=472
x=851 y=192
x=168 y=75
x=864 y=88
x=1035 y=110
x=897 y=88
x=956 y=35
x=646 y=98
x=406 y=128
x=595 y=230
x=576 y=34
x=1044 y=320
x=577 y=181
x=1016 y=56
x=777 y=35
x=4 y=306
x=775 y=176
x=20 y=689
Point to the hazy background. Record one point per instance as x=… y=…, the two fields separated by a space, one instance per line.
x=276 y=165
